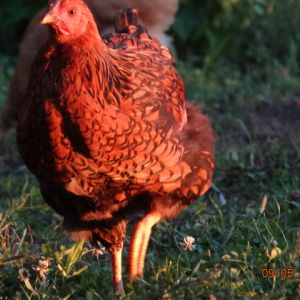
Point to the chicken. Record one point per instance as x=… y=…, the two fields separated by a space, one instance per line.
x=155 y=14
x=105 y=129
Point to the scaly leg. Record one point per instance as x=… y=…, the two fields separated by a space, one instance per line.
x=116 y=258
x=139 y=243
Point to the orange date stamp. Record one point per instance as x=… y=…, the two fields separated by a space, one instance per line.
x=282 y=273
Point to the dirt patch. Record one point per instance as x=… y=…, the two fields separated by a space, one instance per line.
x=278 y=121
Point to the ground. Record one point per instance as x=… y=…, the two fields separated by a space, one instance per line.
x=245 y=248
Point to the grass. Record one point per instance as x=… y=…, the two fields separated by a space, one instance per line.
x=237 y=245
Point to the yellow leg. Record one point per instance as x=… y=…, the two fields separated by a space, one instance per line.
x=139 y=243
x=116 y=258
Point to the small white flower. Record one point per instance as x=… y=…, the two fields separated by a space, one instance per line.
x=42 y=267
x=100 y=250
x=188 y=243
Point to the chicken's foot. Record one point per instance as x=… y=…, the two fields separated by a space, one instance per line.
x=139 y=243
x=116 y=258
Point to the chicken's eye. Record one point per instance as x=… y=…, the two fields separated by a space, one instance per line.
x=72 y=12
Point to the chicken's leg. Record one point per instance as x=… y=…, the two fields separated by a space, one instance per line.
x=116 y=258
x=139 y=243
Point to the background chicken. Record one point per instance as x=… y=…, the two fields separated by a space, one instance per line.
x=105 y=130
x=156 y=15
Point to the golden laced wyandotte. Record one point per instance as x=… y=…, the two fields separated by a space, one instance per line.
x=106 y=130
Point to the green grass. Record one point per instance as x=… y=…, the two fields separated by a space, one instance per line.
x=258 y=158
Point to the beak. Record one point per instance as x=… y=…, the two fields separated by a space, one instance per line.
x=48 y=19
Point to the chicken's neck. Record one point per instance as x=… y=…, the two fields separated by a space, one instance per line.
x=94 y=66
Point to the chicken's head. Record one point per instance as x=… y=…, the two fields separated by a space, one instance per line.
x=69 y=19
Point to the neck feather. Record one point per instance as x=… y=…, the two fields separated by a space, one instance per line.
x=100 y=69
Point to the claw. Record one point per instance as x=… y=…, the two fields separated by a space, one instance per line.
x=119 y=289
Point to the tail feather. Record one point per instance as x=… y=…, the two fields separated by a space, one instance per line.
x=125 y=19
x=199 y=142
